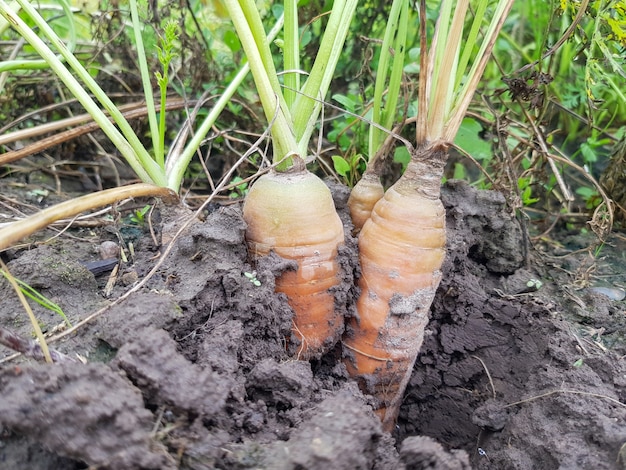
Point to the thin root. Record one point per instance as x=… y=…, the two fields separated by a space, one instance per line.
x=493 y=388
x=303 y=341
x=352 y=348
x=573 y=392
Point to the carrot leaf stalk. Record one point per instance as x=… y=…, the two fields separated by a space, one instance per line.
x=369 y=189
x=402 y=244
x=161 y=174
x=289 y=210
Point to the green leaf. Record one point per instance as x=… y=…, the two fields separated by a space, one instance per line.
x=527 y=198
x=459 y=171
x=468 y=138
x=346 y=101
x=341 y=165
x=277 y=10
x=586 y=192
x=589 y=154
x=232 y=41
x=402 y=155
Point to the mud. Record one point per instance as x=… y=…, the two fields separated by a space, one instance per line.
x=512 y=377
x=194 y=370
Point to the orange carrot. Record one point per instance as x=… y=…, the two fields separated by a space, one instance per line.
x=293 y=214
x=401 y=247
x=365 y=194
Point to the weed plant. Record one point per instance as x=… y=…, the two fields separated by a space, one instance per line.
x=568 y=60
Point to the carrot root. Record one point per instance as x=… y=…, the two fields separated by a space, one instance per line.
x=293 y=214
x=365 y=194
x=401 y=249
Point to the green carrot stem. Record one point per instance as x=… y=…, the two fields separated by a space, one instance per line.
x=128 y=144
x=291 y=53
x=147 y=85
x=176 y=164
x=247 y=21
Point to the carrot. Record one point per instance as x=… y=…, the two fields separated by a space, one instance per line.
x=365 y=194
x=401 y=247
x=369 y=189
x=293 y=214
x=402 y=244
x=289 y=210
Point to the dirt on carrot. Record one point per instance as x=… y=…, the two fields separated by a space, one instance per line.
x=293 y=215
x=192 y=372
x=401 y=250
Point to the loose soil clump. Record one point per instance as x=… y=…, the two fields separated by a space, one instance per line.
x=195 y=370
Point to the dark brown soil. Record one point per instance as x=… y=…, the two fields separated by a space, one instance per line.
x=192 y=372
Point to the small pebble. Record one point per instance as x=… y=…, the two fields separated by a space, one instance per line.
x=130 y=278
x=613 y=293
x=109 y=249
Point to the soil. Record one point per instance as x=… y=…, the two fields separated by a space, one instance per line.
x=193 y=371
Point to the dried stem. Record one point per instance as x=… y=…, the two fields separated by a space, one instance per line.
x=23 y=228
x=130 y=111
x=30 y=348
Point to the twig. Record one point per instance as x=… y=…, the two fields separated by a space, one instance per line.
x=476 y=163
x=29 y=348
x=546 y=152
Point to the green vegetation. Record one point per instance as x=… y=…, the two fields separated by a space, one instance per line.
x=150 y=166
x=563 y=64
x=548 y=111
x=38 y=297
x=138 y=216
x=252 y=278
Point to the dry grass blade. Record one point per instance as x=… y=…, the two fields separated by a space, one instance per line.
x=23 y=228
x=131 y=111
x=42 y=341
x=571 y=392
x=493 y=388
x=53 y=126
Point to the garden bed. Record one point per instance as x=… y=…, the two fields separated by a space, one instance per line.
x=192 y=371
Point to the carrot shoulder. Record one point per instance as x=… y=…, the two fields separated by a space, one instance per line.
x=293 y=214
